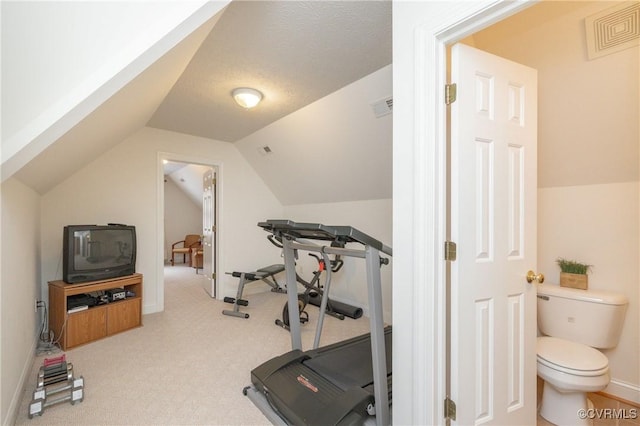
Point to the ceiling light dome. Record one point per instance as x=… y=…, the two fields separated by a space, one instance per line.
x=247 y=97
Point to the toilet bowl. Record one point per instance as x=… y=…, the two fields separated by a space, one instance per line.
x=569 y=370
x=573 y=323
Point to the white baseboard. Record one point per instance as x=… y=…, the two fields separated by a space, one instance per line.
x=14 y=406
x=624 y=390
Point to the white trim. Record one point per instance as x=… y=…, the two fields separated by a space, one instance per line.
x=624 y=390
x=217 y=165
x=429 y=209
x=159 y=235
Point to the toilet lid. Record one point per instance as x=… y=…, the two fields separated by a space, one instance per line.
x=571 y=357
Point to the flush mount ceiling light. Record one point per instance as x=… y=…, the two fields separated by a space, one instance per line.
x=246 y=97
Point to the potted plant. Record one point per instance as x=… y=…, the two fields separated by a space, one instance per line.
x=573 y=274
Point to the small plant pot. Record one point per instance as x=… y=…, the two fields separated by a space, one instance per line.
x=580 y=281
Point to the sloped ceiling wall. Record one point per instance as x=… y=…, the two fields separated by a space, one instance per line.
x=330 y=151
x=110 y=123
x=188 y=178
x=71 y=75
x=333 y=150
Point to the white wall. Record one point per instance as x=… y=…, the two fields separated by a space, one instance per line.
x=372 y=217
x=599 y=225
x=89 y=43
x=20 y=287
x=181 y=217
x=122 y=186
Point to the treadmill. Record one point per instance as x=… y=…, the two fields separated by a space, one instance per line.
x=348 y=382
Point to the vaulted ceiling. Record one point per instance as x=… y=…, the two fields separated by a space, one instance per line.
x=298 y=54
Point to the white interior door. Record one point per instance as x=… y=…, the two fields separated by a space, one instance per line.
x=208 y=231
x=493 y=223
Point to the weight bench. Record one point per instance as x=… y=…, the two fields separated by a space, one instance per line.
x=266 y=274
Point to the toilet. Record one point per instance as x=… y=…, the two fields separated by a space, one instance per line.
x=573 y=323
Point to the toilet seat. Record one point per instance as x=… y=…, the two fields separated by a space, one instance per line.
x=571 y=357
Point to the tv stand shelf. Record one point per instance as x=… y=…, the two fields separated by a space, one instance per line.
x=77 y=328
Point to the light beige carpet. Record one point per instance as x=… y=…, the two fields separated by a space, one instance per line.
x=186 y=365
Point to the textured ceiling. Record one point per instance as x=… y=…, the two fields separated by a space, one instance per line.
x=294 y=52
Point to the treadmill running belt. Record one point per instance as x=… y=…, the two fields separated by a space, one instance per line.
x=328 y=385
x=348 y=363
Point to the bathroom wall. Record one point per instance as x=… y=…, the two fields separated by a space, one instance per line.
x=588 y=158
x=599 y=225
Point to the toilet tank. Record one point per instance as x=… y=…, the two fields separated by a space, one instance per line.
x=590 y=317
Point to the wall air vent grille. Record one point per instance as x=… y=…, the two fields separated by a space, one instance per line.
x=613 y=29
x=265 y=150
x=382 y=107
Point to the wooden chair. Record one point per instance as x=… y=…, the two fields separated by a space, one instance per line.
x=190 y=241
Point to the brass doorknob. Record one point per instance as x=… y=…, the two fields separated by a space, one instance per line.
x=532 y=276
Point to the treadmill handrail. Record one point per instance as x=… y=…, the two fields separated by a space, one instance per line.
x=307 y=246
x=319 y=231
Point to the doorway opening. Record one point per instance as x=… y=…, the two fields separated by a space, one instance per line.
x=188 y=209
x=430 y=148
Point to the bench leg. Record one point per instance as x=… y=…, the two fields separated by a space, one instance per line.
x=236 y=308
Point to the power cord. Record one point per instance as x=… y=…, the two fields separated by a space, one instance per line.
x=46 y=344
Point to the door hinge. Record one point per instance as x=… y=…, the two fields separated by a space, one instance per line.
x=213 y=276
x=450 y=93
x=449 y=409
x=450 y=251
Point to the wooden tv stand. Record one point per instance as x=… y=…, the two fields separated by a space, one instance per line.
x=77 y=328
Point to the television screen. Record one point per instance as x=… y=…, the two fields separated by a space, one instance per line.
x=93 y=252
x=100 y=248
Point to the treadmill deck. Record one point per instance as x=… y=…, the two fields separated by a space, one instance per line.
x=328 y=385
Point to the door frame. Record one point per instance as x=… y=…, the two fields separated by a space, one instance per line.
x=425 y=367
x=183 y=158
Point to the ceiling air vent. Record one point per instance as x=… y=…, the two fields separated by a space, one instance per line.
x=265 y=150
x=613 y=29
x=382 y=107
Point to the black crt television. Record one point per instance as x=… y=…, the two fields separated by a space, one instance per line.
x=98 y=252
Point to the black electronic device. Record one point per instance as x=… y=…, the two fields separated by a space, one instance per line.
x=80 y=300
x=102 y=299
x=98 y=252
x=116 y=294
